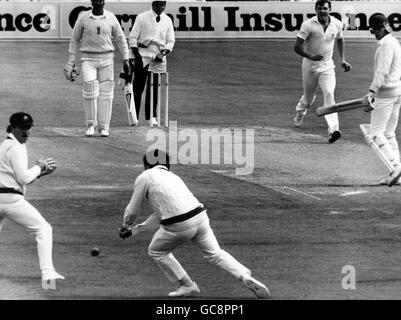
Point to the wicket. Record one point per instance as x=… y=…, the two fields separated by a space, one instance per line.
x=159 y=79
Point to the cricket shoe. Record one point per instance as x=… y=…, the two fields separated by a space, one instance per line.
x=183 y=291
x=104 y=133
x=153 y=121
x=90 y=132
x=334 y=136
x=299 y=118
x=395 y=176
x=257 y=287
x=51 y=275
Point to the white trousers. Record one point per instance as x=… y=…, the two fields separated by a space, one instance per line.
x=198 y=231
x=325 y=77
x=15 y=208
x=101 y=69
x=383 y=123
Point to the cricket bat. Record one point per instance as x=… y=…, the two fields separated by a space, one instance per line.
x=130 y=102
x=125 y=80
x=344 y=106
x=371 y=143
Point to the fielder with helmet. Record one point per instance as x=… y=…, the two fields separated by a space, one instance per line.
x=14 y=176
x=94 y=32
x=178 y=217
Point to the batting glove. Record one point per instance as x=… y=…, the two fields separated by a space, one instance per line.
x=71 y=72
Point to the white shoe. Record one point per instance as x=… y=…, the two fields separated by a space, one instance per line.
x=153 y=121
x=395 y=176
x=183 y=291
x=257 y=287
x=104 y=133
x=299 y=118
x=51 y=275
x=90 y=132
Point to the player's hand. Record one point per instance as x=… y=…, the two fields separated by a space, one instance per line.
x=47 y=166
x=346 y=66
x=159 y=57
x=124 y=232
x=371 y=98
x=126 y=67
x=316 y=57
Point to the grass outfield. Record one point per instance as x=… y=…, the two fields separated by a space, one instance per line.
x=307 y=210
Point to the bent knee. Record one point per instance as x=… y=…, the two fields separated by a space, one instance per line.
x=157 y=255
x=379 y=138
x=46 y=228
x=213 y=256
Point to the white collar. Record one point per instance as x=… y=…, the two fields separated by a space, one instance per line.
x=11 y=135
x=384 y=39
x=103 y=16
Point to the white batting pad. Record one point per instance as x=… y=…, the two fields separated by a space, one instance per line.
x=90 y=93
x=106 y=94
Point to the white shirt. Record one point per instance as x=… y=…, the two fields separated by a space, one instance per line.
x=95 y=34
x=155 y=35
x=14 y=172
x=165 y=193
x=318 y=41
x=387 y=68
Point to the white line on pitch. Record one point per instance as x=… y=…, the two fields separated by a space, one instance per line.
x=278 y=189
x=301 y=192
x=351 y=193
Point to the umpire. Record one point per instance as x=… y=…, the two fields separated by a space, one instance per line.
x=14 y=176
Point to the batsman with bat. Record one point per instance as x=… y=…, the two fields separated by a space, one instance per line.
x=315 y=42
x=385 y=89
x=14 y=177
x=178 y=218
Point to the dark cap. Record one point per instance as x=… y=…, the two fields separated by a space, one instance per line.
x=156 y=157
x=21 y=120
x=377 y=21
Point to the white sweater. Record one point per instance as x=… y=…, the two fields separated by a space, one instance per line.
x=14 y=172
x=164 y=192
x=387 y=68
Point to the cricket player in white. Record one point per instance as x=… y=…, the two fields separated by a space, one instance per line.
x=14 y=176
x=315 y=42
x=385 y=89
x=151 y=40
x=179 y=217
x=94 y=32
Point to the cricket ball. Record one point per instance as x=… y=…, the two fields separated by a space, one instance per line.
x=95 y=252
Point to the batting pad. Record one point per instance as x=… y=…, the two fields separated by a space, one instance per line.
x=90 y=93
x=378 y=149
x=106 y=94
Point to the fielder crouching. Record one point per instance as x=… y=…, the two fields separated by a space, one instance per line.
x=14 y=176
x=178 y=217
